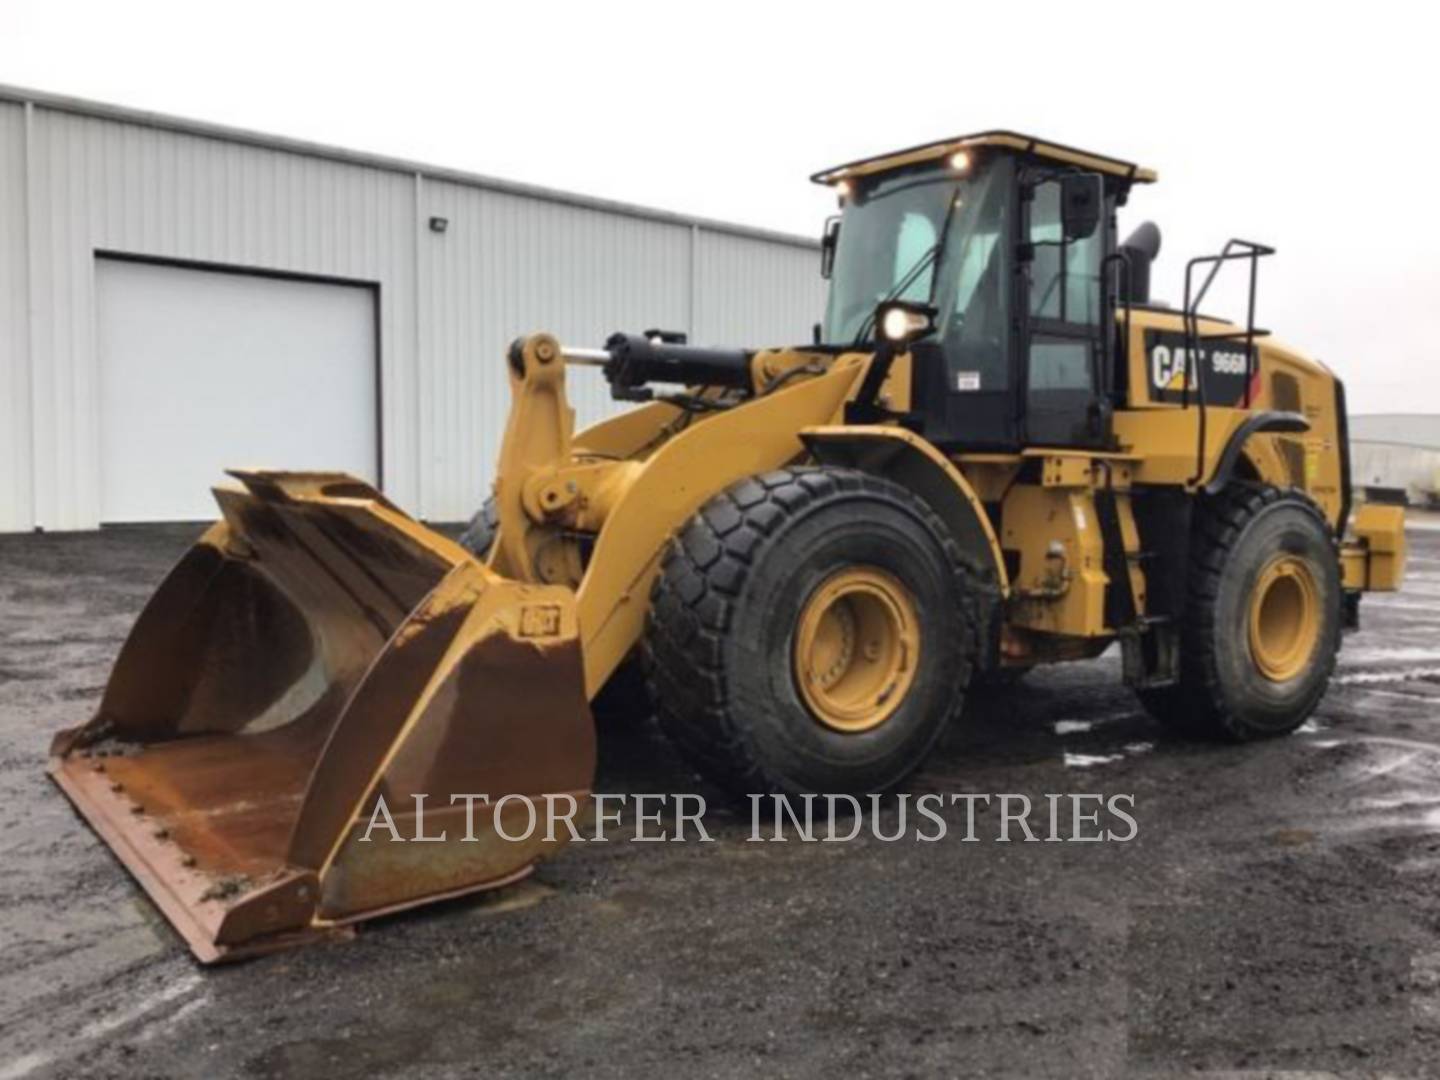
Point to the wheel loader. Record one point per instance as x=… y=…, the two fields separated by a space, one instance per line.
x=997 y=452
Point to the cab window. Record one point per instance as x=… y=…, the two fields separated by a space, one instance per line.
x=973 y=291
x=916 y=237
x=1064 y=278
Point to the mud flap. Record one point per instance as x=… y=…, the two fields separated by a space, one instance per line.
x=318 y=654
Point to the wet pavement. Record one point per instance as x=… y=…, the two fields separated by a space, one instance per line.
x=1278 y=909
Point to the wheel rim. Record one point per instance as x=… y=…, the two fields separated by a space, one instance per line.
x=857 y=645
x=1284 y=618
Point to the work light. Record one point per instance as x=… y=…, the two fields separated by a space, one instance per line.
x=902 y=322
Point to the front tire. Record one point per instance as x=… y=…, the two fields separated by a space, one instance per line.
x=811 y=630
x=1262 y=621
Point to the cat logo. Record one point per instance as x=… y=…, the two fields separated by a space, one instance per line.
x=1222 y=366
x=540 y=620
x=1167 y=367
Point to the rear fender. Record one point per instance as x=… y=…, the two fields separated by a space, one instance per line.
x=1288 y=423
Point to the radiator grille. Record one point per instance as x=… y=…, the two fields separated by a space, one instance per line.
x=1285 y=392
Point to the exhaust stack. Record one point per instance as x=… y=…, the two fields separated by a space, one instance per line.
x=1143 y=247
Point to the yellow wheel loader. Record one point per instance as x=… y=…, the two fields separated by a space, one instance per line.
x=997 y=453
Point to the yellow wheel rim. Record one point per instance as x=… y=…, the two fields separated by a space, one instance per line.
x=856 y=649
x=1284 y=618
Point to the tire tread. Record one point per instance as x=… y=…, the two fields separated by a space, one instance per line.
x=700 y=584
x=1197 y=705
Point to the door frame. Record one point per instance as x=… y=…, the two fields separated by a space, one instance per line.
x=1028 y=327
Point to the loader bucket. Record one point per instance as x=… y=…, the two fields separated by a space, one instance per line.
x=314 y=655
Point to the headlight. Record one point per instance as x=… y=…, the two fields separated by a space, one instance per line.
x=901 y=322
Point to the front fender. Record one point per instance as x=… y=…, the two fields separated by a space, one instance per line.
x=673 y=484
x=915 y=463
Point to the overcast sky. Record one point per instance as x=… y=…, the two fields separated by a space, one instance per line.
x=1298 y=125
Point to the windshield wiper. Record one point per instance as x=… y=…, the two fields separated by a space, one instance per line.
x=930 y=255
x=926 y=258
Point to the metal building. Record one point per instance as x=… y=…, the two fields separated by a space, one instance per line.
x=1397 y=455
x=176 y=295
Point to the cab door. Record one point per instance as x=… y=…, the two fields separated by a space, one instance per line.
x=1063 y=338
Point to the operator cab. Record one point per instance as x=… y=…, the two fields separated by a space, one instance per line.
x=1007 y=246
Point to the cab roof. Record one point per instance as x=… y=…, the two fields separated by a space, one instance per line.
x=1008 y=140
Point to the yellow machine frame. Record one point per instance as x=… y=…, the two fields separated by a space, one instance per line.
x=319 y=659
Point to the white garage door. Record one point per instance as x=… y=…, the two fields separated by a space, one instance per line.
x=203 y=370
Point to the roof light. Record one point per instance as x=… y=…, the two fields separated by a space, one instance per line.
x=960 y=161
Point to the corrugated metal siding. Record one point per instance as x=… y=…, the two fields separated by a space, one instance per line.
x=15 y=466
x=511 y=261
x=99 y=185
x=509 y=265
x=766 y=293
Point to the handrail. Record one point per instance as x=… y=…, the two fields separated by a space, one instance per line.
x=1123 y=260
x=1252 y=252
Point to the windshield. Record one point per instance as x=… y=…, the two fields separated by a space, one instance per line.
x=890 y=232
x=885 y=231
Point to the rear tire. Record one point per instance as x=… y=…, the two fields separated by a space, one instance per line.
x=1262 y=621
x=766 y=578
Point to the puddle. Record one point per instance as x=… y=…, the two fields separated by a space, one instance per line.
x=1072 y=727
x=1392 y=655
x=1403 y=803
x=106 y=1024
x=517 y=897
x=1363 y=678
x=1416 y=697
x=1085 y=761
x=1394 y=602
x=174 y=1020
x=24 y=1066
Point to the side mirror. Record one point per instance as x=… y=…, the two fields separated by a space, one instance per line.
x=1082 y=200
x=829 y=240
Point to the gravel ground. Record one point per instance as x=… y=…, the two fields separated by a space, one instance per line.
x=1278 y=911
